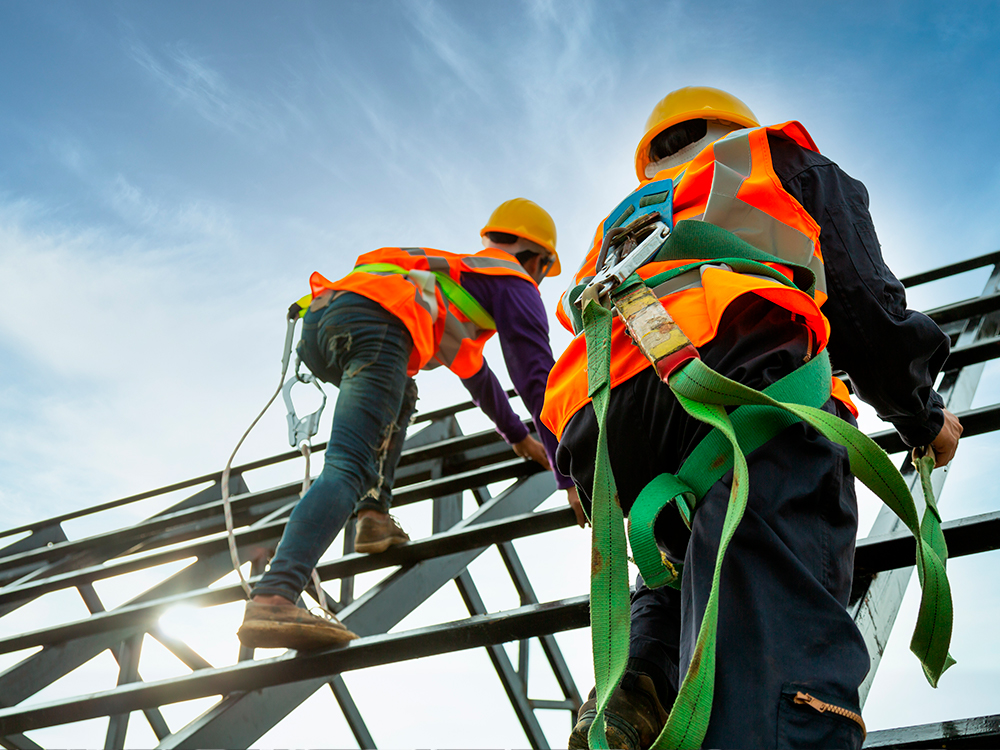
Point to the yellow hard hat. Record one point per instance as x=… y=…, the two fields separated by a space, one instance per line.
x=690 y=103
x=526 y=219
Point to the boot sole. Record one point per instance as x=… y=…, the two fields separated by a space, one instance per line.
x=370 y=548
x=299 y=636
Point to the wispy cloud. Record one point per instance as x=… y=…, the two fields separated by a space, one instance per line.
x=190 y=220
x=132 y=346
x=451 y=43
x=194 y=82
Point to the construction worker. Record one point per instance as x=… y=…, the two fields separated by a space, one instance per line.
x=783 y=628
x=400 y=311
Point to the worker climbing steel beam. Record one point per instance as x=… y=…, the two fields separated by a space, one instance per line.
x=769 y=264
x=400 y=311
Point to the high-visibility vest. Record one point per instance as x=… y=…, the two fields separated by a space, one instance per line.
x=408 y=286
x=731 y=183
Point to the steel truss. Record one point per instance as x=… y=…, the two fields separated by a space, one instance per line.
x=438 y=465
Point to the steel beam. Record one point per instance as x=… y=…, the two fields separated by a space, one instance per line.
x=238 y=721
x=266 y=676
x=959 y=734
x=514 y=682
x=874 y=606
x=351 y=713
x=989 y=259
x=522 y=584
x=145 y=610
x=512 y=469
x=974 y=422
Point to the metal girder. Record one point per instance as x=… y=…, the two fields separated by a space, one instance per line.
x=128 y=659
x=566 y=617
x=351 y=712
x=238 y=721
x=266 y=676
x=126 y=654
x=522 y=584
x=59 y=658
x=51 y=534
x=874 y=606
x=952 y=269
x=514 y=681
x=512 y=469
x=146 y=609
x=54 y=661
x=980 y=732
x=970 y=308
x=974 y=422
x=964 y=536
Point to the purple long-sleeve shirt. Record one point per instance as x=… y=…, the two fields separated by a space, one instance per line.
x=523 y=329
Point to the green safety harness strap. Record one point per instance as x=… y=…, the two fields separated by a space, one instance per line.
x=450 y=288
x=709 y=462
x=704 y=394
x=609 y=589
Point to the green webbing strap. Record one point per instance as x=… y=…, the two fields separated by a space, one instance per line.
x=452 y=291
x=711 y=459
x=655 y=568
x=740 y=265
x=705 y=244
x=609 y=590
x=697 y=383
x=704 y=393
x=692 y=239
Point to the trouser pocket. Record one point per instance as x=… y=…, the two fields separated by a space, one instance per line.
x=810 y=718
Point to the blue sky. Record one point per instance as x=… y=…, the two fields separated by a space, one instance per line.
x=172 y=173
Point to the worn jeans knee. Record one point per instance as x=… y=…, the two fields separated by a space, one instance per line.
x=379 y=496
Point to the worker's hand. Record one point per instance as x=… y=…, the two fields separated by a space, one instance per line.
x=531 y=448
x=574 y=502
x=946 y=442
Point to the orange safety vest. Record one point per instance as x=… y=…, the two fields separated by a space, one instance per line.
x=442 y=334
x=730 y=183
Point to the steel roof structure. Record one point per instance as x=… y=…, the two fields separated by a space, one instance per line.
x=438 y=465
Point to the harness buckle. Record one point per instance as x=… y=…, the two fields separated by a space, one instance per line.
x=623 y=251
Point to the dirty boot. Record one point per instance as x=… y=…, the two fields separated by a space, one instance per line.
x=275 y=626
x=634 y=715
x=378 y=533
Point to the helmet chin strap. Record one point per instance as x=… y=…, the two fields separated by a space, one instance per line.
x=716 y=129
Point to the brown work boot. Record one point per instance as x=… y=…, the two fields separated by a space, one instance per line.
x=378 y=533
x=284 y=626
x=634 y=715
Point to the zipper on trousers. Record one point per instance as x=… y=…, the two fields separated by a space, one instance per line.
x=804 y=699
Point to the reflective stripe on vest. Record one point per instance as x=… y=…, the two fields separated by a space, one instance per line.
x=448 y=326
x=730 y=184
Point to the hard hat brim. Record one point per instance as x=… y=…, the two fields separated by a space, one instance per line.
x=556 y=267
x=642 y=150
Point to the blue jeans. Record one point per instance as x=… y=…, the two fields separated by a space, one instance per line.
x=362 y=349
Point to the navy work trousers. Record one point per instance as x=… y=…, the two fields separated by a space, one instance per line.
x=361 y=348
x=786 y=579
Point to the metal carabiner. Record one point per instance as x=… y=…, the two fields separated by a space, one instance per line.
x=299 y=430
x=624 y=251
